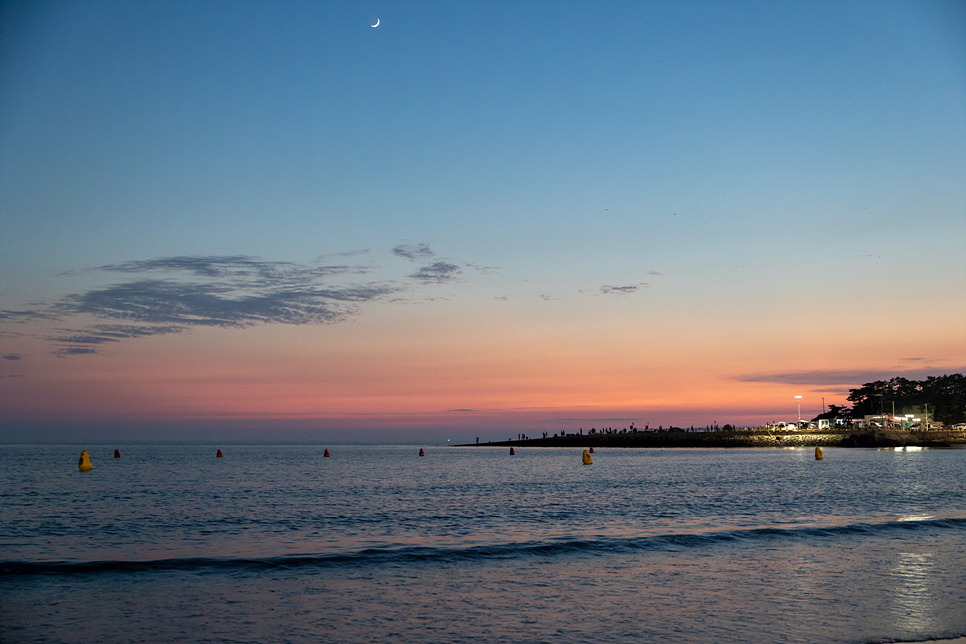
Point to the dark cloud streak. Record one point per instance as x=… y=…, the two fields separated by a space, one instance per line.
x=241 y=270
x=844 y=378
x=169 y=302
x=412 y=252
x=25 y=316
x=175 y=294
x=74 y=351
x=622 y=290
x=437 y=273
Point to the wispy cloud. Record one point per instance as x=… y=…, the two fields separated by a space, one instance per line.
x=351 y=253
x=175 y=294
x=224 y=304
x=12 y=356
x=25 y=316
x=437 y=272
x=74 y=351
x=622 y=290
x=833 y=378
x=485 y=270
x=103 y=333
x=241 y=270
x=412 y=252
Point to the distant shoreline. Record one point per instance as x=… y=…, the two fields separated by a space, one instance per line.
x=744 y=438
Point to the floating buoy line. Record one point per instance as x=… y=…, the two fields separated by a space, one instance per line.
x=84 y=462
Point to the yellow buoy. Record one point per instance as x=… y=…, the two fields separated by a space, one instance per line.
x=587 y=459
x=818 y=454
x=84 y=464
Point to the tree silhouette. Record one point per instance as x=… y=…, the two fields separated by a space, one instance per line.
x=944 y=395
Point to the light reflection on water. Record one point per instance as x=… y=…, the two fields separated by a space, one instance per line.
x=913 y=599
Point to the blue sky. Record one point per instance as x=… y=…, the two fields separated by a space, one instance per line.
x=696 y=172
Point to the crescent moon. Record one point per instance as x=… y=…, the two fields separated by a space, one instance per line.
x=375 y=25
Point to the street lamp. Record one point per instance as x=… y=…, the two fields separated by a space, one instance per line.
x=799 y=412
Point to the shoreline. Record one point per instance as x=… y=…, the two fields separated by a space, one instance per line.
x=744 y=439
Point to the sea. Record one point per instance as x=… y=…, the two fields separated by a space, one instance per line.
x=375 y=543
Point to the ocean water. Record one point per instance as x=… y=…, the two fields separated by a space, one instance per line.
x=279 y=544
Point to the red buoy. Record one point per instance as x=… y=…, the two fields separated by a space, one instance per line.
x=326 y=454
x=117 y=454
x=218 y=454
x=421 y=452
x=512 y=452
x=591 y=450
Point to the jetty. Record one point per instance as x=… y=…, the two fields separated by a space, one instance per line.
x=935 y=438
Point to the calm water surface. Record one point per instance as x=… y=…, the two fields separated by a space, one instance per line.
x=278 y=543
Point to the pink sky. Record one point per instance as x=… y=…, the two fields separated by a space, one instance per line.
x=431 y=366
x=659 y=212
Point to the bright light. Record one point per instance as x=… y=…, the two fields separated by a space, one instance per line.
x=799 y=397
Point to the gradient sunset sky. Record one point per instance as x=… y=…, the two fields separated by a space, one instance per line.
x=271 y=220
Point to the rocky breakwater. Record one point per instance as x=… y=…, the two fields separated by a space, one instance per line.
x=746 y=438
x=892 y=438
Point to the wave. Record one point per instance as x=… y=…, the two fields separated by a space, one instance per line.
x=411 y=554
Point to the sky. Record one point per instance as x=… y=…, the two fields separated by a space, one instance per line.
x=274 y=221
